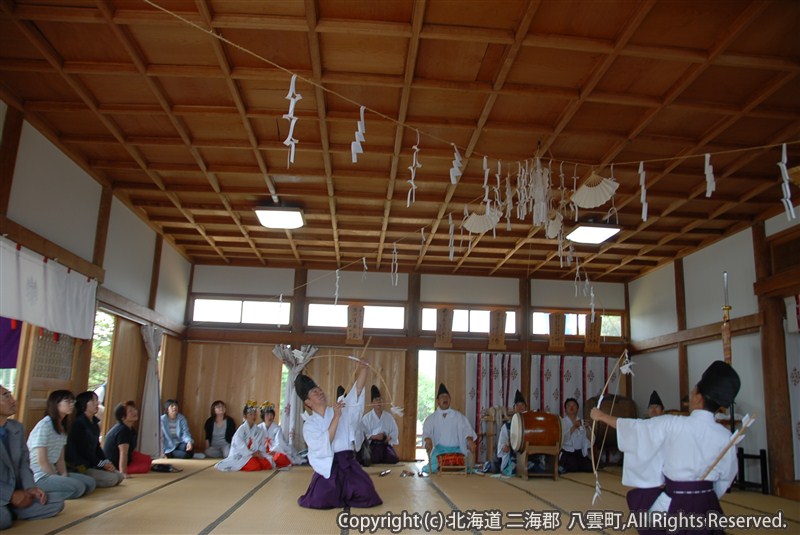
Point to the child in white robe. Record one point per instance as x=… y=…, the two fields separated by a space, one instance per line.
x=248 y=447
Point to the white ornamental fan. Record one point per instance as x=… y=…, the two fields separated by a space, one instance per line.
x=480 y=223
x=554 y=225
x=595 y=192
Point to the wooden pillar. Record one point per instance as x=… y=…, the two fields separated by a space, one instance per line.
x=408 y=440
x=773 y=363
x=299 y=300
x=12 y=129
x=680 y=311
x=524 y=329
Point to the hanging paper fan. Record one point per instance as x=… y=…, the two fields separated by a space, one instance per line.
x=480 y=223
x=595 y=191
x=554 y=225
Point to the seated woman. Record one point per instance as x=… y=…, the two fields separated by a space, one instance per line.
x=219 y=430
x=84 y=453
x=273 y=436
x=46 y=444
x=175 y=435
x=121 y=442
x=248 y=452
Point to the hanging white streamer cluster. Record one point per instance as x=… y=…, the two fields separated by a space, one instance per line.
x=393 y=274
x=336 y=292
x=364 y=273
x=452 y=236
x=643 y=197
x=455 y=171
x=711 y=184
x=293 y=97
x=412 y=190
x=787 y=193
x=355 y=146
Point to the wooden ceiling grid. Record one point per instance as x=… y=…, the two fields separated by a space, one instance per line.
x=188 y=129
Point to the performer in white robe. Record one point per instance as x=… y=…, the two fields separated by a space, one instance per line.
x=274 y=438
x=505 y=453
x=379 y=432
x=575 y=441
x=655 y=407
x=446 y=431
x=330 y=433
x=665 y=457
x=248 y=450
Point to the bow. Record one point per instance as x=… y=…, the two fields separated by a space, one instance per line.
x=624 y=365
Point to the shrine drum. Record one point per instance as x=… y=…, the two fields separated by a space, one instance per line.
x=534 y=428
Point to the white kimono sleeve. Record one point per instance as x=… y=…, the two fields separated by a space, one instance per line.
x=640 y=441
x=320 y=451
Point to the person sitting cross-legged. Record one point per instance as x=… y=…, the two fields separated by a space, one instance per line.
x=447 y=432
x=379 y=431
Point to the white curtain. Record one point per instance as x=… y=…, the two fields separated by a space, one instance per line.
x=551 y=383
x=149 y=416
x=44 y=293
x=295 y=360
x=492 y=379
x=793 y=369
x=572 y=379
x=535 y=394
x=595 y=376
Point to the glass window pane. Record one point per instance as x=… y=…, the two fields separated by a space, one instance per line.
x=428 y=319
x=479 y=321
x=541 y=323
x=612 y=326
x=266 y=312
x=582 y=324
x=571 y=326
x=321 y=315
x=511 y=322
x=460 y=321
x=220 y=310
x=382 y=317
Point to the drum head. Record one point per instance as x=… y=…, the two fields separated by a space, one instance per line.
x=516 y=432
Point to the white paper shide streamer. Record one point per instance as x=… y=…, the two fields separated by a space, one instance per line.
x=456 y=170
x=711 y=184
x=787 y=192
x=393 y=274
x=293 y=97
x=643 y=197
x=355 y=146
x=412 y=190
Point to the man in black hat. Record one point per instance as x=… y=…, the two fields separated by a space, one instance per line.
x=655 y=407
x=666 y=457
x=380 y=432
x=330 y=434
x=505 y=453
x=446 y=432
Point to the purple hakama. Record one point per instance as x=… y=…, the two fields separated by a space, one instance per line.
x=348 y=486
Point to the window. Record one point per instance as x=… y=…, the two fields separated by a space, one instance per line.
x=469 y=321
x=575 y=324
x=238 y=311
x=384 y=317
x=323 y=315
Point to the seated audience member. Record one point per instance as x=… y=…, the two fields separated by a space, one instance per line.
x=380 y=433
x=120 y=443
x=219 y=430
x=330 y=432
x=655 y=407
x=84 y=453
x=667 y=459
x=248 y=447
x=574 y=441
x=19 y=496
x=176 y=438
x=47 y=443
x=447 y=431
x=274 y=439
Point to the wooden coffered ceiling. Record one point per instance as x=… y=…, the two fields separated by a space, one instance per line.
x=180 y=112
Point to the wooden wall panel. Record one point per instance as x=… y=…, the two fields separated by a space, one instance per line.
x=451 y=370
x=171 y=363
x=233 y=373
x=127 y=369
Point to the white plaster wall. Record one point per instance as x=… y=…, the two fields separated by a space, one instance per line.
x=703 y=280
x=652 y=302
x=173 y=284
x=245 y=281
x=656 y=371
x=779 y=223
x=355 y=285
x=561 y=294
x=746 y=360
x=52 y=196
x=129 y=255
x=459 y=289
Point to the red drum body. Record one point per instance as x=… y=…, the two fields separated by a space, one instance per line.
x=534 y=428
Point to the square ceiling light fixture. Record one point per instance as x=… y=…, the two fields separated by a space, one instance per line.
x=593 y=234
x=280 y=217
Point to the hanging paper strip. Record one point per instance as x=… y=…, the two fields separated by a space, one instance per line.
x=355 y=146
x=412 y=191
x=642 y=184
x=455 y=171
x=293 y=97
x=787 y=193
x=393 y=274
x=364 y=272
x=486 y=179
x=711 y=184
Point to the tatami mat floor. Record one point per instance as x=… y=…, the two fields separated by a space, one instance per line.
x=202 y=500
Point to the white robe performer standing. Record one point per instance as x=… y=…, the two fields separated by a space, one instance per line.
x=248 y=441
x=446 y=431
x=665 y=457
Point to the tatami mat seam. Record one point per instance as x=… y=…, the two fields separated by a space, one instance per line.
x=447 y=500
x=209 y=528
x=124 y=502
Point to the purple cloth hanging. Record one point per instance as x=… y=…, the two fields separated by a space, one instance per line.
x=9 y=342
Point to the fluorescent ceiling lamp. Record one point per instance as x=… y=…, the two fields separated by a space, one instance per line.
x=280 y=217
x=593 y=234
